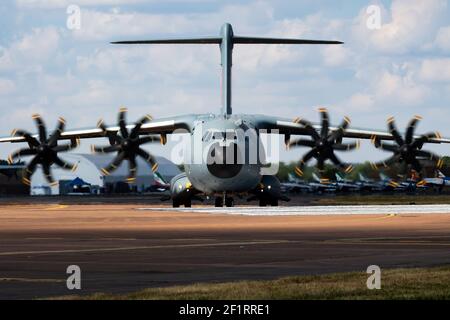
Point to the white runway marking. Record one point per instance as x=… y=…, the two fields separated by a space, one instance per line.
x=315 y=210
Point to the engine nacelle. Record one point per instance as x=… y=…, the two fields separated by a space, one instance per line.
x=181 y=190
x=269 y=191
x=271 y=186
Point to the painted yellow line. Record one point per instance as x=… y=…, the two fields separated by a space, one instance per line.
x=174 y=246
x=44 y=238
x=408 y=243
x=31 y=280
x=57 y=207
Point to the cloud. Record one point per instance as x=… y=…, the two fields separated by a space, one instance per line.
x=435 y=70
x=48 y=4
x=442 y=40
x=31 y=49
x=6 y=86
x=78 y=75
x=408 y=26
x=101 y=25
x=338 y=55
x=98 y=25
x=399 y=89
x=361 y=102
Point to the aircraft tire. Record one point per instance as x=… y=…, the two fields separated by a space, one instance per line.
x=218 y=202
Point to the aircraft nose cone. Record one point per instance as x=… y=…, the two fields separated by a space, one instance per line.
x=224 y=161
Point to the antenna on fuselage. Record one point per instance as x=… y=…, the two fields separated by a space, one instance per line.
x=226 y=40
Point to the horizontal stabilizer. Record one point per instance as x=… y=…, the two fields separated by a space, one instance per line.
x=205 y=40
x=257 y=40
x=243 y=40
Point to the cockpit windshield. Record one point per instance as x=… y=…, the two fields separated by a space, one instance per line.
x=219 y=135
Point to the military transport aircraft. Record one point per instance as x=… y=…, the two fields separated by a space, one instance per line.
x=225 y=171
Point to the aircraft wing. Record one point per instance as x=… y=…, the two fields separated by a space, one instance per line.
x=157 y=126
x=291 y=127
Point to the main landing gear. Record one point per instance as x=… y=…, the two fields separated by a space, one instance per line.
x=268 y=202
x=177 y=203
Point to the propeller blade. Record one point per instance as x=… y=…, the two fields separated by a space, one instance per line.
x=29 y=171
x=411 y=128
x=309 y=128
x=416 y=165
x=431 y=156
x=347 y=146
x=393 y=130
x=148 y=157
x=67 y=147
x=122 y=123
x=41 y=128
x=385 y=163
x=114 y=164
x=57 y=133
x=337 y=135
x=302 y=142
x=48 y=174
x=135 y=132
x=308 y=156
x=325 y=123
x=320 y=163
x=105 y=149
x=148 y=139
x=65 y=165
x=32 y=142
x=132 y=168
x=387 y=146
x=112 y=136
x=419 y=142
x=21 y=153
x=336 y=161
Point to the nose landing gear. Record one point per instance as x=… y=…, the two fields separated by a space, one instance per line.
x=219 y=201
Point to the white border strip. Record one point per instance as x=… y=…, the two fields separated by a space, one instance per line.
x=314 y=210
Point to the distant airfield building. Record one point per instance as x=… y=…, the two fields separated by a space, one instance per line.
x=88 y=178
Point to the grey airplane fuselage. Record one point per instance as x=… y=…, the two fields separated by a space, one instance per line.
x=225 y=155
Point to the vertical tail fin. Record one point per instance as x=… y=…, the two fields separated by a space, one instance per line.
x=315 y=177
x=226 y=41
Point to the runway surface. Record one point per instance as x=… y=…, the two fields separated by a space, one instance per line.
x=122 y=248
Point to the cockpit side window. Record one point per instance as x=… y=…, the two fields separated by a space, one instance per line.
x=207 y=136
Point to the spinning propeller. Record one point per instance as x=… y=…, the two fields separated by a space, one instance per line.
x=323 y=144
x=407 y=150
x=127 y=145
x=45 y=150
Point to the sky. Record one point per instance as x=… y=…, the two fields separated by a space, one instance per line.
x=400 y=67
